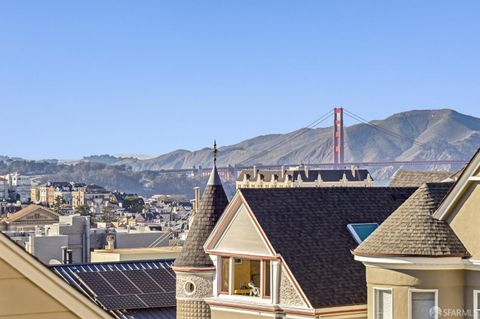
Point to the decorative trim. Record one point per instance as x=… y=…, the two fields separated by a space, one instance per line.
x=444 y=210
x=440 y=263
x=193 y=269
x=244 y=256
x=271 y=309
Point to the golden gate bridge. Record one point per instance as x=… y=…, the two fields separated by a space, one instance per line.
x=338 y=151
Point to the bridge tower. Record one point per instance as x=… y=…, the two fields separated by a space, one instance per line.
x=338 y=140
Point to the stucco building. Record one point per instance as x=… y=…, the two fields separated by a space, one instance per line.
x=423 y=261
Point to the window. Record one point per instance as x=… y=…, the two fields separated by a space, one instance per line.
x=383 y=303
x=361 y=231
x=423 y=304
x=225 y=274
x=476 y=304
x=246 y=279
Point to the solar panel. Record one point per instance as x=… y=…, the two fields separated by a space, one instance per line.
x=163 y=278
x=121 y=302
x=143 y=281
x=120 y=282
x=159 y=300
x=96 y=283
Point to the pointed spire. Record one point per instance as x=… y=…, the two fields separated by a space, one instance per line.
x=214 y=177
x=211 y=206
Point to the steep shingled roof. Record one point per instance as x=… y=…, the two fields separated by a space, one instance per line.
x=213 y=203
x=308 y=228
x=412 y=231
x=411 y=178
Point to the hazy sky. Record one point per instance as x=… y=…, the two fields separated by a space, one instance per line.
x=95 y=77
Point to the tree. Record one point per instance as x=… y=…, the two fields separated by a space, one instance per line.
x=133 y=204
x=84 y=210
x=58 y=204
x=108 y=215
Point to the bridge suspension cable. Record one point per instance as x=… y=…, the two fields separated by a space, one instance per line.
x=312 y=125
x=384 y=130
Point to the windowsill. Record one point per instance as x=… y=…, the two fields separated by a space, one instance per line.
x=246 y=299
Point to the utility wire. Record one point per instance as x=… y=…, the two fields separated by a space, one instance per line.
x=288 y=138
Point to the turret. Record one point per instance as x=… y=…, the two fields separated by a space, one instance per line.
x=194 y=268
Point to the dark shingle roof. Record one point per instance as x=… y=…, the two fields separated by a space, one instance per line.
x=308 y=228
x=412 y=231
x=311 y=176
x=410 y=178
x=213 y=203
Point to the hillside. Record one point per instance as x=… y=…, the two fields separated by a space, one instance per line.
x=425 y=134
x=413 y=135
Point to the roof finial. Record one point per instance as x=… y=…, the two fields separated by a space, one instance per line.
x=214 y=152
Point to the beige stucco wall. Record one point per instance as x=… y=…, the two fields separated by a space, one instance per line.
x=472 y=282
x=21 y=298
x=450 y=285
x=466 y=220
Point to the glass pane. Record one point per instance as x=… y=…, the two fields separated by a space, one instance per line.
x=422 y=302
x=266 y=292
x=225 y=273
x=383 y=304
x=247 y=277
x=478 y=300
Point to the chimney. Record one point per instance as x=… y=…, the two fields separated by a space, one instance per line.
x=110 y=242
x=305 y=167
x=354 y=170
x=196 y=202
x=254 y=171
x=66 y=255
x=282 y=172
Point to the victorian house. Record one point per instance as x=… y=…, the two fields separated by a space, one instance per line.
x=279 y=252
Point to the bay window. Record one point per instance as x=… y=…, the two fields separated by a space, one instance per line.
x=248 y=277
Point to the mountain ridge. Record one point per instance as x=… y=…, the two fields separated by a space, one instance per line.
x=411 y=135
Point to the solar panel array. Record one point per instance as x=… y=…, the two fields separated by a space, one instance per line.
x=131 y=288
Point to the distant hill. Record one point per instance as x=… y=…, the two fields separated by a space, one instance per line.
x=412 y=135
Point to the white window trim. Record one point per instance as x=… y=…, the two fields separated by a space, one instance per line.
x=374 y=300
x=420 y=290
x=476 y=293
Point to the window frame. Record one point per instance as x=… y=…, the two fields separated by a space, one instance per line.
x=476 y=305
x=375 y=289
x=221 y=273
x=354 y=234
x=232 y=262
x=413 y=290
x=264 y=279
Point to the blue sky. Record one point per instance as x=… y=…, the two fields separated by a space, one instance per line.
x=95 y=77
